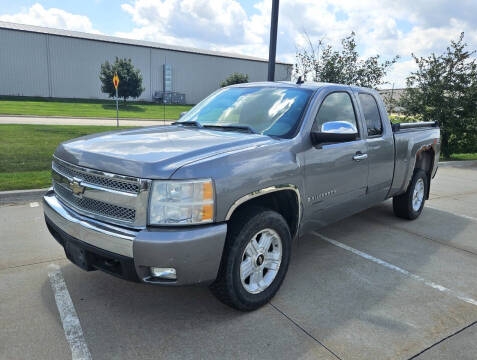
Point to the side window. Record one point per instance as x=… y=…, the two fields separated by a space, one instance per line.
x=336 y=107
x=371 y=114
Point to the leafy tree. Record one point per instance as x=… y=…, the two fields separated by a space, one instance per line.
x=321 y=62
x=130 y=79
x=444 y=88
x=235 y=78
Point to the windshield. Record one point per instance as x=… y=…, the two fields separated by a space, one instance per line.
x=265 y=110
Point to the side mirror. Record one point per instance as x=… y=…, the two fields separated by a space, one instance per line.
x=334 y=131
x=182 y=114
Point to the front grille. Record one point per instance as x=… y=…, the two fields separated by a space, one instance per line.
x=95 y=206
x=113 y=198
x=102 y=181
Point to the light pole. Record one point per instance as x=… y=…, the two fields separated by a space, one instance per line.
x=272 y=51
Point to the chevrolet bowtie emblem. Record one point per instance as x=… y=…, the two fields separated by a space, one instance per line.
x=76 y=187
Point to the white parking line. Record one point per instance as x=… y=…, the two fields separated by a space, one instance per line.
x=69 y=318
x=453 y=213
x=34 y=204
x=431 y=284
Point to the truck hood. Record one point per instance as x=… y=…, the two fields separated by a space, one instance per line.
x=154 y=152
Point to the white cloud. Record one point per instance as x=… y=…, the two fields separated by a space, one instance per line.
x=188 y=22
x=54 y=18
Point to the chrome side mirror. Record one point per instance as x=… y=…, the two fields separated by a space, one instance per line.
x=334 y=131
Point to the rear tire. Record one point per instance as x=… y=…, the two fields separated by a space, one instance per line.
x=255 y=259
x=410 y=204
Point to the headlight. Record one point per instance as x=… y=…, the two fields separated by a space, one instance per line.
x=181 y=202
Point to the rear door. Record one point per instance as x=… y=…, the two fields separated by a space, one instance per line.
x=335 y=174
x=380 y=144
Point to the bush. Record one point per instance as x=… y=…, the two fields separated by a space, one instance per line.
x=235 y=78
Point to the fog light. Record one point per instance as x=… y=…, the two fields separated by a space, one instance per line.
x=164 y=273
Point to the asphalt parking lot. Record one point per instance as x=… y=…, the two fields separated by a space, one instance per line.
x=369 y=287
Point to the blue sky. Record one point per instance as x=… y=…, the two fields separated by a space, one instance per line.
x=387 y=27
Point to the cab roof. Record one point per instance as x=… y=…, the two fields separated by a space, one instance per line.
x=306 y=85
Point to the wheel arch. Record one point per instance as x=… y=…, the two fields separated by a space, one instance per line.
x=284 y=199
x=425 y=161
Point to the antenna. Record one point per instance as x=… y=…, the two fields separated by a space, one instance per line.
x=300 y=80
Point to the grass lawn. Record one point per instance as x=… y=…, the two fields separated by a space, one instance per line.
x=19 y=105
x=457 y=157
x=26 y=151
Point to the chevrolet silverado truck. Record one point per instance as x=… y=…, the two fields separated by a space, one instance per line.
x=218 y=197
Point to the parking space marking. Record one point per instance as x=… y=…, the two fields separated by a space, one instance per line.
x=34 y=204
x=431 y=284
x=453 y=213
x=69 y=318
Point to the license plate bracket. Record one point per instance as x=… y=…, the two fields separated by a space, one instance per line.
x=78 y=256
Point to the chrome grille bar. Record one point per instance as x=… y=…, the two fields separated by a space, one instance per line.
x=94 y=206
x=105 y=180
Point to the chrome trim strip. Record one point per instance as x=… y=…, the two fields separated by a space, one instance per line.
x=101 y=235
x=264 y=191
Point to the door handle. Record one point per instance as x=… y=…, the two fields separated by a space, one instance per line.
x=360 y=156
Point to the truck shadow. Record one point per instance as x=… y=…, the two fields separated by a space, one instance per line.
x=124 y=107
x=348 y=303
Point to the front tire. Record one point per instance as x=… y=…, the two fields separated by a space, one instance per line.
x=410 y=204
x=255 y=259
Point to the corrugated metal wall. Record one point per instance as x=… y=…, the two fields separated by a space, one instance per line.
x=34 y=64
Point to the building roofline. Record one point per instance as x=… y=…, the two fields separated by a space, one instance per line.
x=124 y=41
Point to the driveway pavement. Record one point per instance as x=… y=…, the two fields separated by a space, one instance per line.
x=50 y=120
x=369 y=287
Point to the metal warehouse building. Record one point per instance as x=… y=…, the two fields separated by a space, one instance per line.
x=38 y=61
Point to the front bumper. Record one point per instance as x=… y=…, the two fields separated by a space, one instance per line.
x=195 y=252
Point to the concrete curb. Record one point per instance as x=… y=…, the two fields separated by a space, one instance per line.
x=458 y=163
x=20 y=196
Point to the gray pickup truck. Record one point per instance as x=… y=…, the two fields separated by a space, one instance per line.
x=218 y=197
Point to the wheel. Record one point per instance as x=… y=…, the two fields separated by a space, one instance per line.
x=409 y=205
x=255 y=259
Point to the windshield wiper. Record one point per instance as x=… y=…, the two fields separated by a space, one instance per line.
x=245 y=128
x=188 y=123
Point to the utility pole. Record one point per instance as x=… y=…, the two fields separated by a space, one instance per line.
x=272 y=52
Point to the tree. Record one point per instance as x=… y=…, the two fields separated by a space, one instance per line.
x=235 y=78
x=130 y=79
x=321 y=62
x=444 y=88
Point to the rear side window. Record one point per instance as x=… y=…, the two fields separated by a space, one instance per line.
x=371 y=114
x=336 y=107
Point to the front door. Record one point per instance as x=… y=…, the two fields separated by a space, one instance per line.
x=335 y=174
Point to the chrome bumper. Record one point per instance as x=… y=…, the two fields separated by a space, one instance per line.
x=108 y=237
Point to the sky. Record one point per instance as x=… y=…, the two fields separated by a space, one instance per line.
x=385 y=27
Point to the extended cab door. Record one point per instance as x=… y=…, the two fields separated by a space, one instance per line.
x=335 y=173
x=380 y=143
